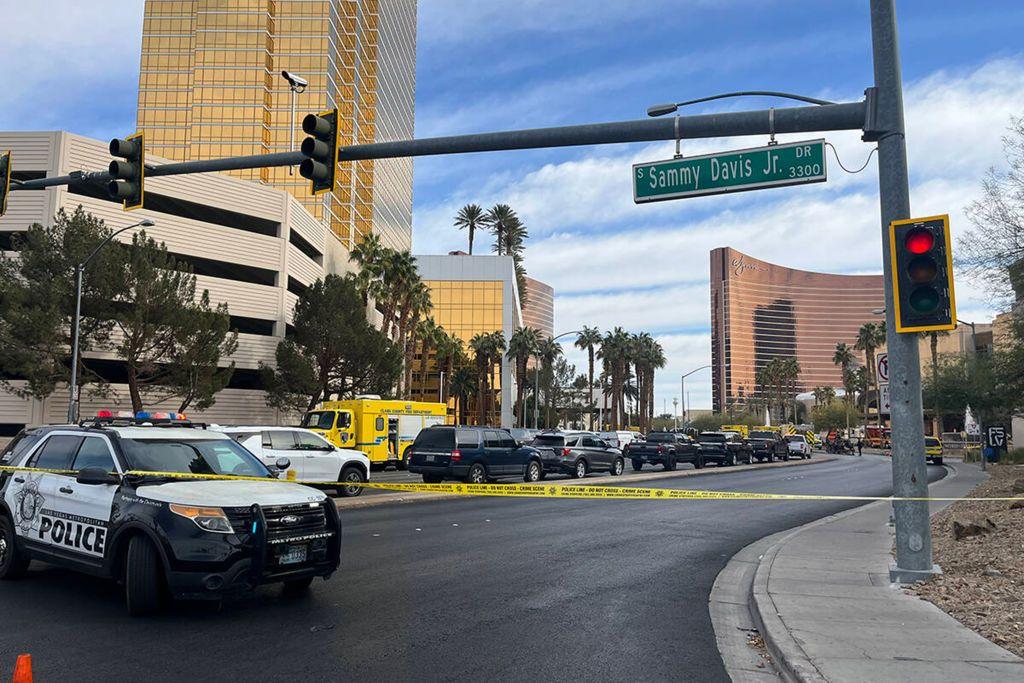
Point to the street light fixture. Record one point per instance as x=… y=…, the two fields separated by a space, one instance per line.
x=79 y=270
x=536 y=381
x=682 y=387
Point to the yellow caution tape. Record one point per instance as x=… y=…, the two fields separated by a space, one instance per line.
x=566 y=490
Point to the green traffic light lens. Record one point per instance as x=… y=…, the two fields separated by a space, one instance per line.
x=924 y=299
x=922 y=269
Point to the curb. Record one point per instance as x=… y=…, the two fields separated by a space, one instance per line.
x=792 y=663
x=400 y=498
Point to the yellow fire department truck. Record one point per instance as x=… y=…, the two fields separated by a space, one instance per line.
x=381 y=429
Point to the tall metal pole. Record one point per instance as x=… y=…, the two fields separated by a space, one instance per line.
x=291 y=131
x=682 y=392
x=909 y=470
x=73 y=389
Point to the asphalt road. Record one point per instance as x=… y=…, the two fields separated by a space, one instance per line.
x=476 y=588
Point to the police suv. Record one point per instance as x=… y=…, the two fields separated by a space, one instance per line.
x=116 y=511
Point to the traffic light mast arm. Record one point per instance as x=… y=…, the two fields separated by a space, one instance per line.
x=843 y=116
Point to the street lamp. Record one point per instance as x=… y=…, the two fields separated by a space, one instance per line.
x=79 y=269
x=682 y=387
x=536 y=381
x=296 y=84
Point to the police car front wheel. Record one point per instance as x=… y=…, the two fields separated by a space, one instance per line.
x=143 y=578
x=13 y=564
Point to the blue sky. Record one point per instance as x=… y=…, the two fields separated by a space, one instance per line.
x=492 y=64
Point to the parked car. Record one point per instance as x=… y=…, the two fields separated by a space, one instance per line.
x=724 y=448
x=664 y=448
x=933 y=449
x=313 y=458
x=577 y=453
x=523 y=435
x=798 y=446
x=768 y=446
x=621 y=438
x=473 y=454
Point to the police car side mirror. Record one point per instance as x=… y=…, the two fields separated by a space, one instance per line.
x=283 y=464
x=96 y=476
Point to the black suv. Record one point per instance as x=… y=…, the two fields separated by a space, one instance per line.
x=97 y=498
x=577 y=453
x=473 y=454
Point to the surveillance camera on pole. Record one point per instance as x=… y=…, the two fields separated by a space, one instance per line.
x=296 y=81
x=129 y=173
x=320 y=149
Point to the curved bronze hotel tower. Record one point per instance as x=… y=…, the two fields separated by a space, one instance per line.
x=761 y=311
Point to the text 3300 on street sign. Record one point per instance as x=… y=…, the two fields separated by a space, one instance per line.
x=794 y=163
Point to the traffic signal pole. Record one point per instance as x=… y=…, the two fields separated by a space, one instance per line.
x=842 y=116
x=909 y=469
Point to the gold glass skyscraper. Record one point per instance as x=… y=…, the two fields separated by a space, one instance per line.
x=210 y=87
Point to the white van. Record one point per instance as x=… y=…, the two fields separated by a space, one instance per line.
x=620 y=439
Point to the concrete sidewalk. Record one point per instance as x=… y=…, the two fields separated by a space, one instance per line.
x=827 y=611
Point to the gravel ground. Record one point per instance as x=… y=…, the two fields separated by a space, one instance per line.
x=982 y=585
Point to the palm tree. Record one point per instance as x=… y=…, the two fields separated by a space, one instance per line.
x=471 y=218
x=480 y=346
x=416 y=304
x=588 y=340
x=548 y=351
x=463 y=383
x=398 y=280
x=499 y=219
x=614 y=351
x=843 y=357
x=869 y=337
x=369 y=255
x=824 y=395
x=429 y=335
x=496 y=348
x=521 y=347
x=450 y=354
x=656 y=360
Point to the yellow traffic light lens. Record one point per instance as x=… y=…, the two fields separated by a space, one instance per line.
x=922 y=269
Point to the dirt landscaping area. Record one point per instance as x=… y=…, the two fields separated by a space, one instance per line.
x=980 y=547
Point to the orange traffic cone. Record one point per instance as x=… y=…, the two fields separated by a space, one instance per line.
x=23 y=669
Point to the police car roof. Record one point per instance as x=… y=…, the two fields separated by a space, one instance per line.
x=134 y=432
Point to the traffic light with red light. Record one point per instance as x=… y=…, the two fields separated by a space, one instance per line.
x=321 y=150
x=922 y=274
x=5 y=180
x=129 y=175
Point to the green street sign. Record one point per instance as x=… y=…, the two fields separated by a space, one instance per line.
x=795 y=163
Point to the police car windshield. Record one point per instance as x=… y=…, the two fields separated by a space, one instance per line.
x=192 y=456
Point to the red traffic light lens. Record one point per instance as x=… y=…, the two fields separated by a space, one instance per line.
x=919 y=240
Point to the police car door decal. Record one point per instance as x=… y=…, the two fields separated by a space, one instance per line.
x=26 y=501
x=78 y=517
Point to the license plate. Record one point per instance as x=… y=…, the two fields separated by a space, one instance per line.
x=431 y=458
x=292 y=555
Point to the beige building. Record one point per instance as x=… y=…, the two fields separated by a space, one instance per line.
x=252 y=246
x=210 y=86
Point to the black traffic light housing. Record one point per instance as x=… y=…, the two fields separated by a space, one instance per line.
x=321 y=150
x=5 y=180
x=129 y=175
x=922 y=274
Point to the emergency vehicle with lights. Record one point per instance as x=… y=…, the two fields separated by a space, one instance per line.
x=118 y=501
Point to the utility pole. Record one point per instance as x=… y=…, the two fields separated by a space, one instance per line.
x=909 y=470
x=675 y=412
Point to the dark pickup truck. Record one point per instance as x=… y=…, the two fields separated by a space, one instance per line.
x=665 y=449
x=768 y=445
x=724 y=448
